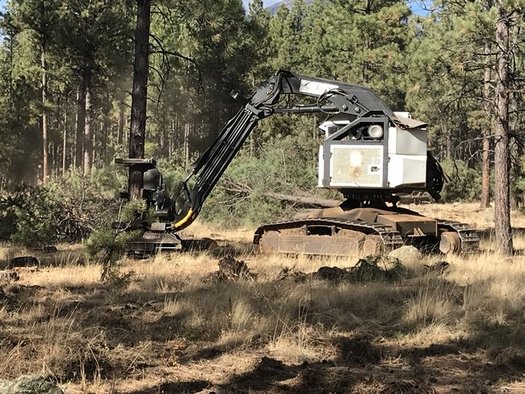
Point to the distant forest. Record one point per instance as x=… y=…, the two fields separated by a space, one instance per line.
x=435 y=66
x=66 y=69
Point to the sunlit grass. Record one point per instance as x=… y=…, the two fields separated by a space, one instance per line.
x=68 y=318
x=60 y=277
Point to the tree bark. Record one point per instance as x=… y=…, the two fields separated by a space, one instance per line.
x=121 y=122
x=45 y=159
x=88 y=129
x=81 y=122
x=137 y=135
x=64 y=142
x=104 y=131
x=501 y=131
x=104 y=138
x=485 y=166
x=186 y=146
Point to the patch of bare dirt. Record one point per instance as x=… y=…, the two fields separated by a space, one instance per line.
x=372 y=268
x=195 y=386
x=231 y=269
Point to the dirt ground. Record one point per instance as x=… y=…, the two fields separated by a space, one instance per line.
x=231 y=321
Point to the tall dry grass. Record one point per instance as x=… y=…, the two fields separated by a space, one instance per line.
x=74 y=327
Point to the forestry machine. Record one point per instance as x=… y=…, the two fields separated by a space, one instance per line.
x=370 y=154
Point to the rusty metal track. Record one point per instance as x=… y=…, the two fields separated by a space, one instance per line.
x=390 y=238
x=469 y=236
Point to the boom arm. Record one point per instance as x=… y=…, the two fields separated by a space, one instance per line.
x=327 y=96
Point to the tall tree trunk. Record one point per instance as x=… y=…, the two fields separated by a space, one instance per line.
x=501 y=130
x=45 y=159
x=105 y=130
x=162 y=139
x=166 y=132
x=137 y=135
x=88 y=129
x=174 y=136
x=11 y=64
x=64 y=142
x=186 y=146
x=121 y=122
x=55 y=159
x=104 y=138
x=485 y=167
x=94 y=156
x=81 y=121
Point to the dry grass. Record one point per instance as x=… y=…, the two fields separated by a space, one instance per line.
x=468 y=213
x=171 y=327
x=61 y=277
x=66 y=255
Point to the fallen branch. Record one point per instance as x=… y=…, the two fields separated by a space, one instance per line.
x=304 y=200
x=241 y=190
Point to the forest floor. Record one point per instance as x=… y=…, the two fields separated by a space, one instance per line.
x=171 y=324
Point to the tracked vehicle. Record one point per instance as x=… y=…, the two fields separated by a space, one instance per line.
x=370 y=154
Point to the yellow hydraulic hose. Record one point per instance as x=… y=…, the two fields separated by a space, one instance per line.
x=183 y=222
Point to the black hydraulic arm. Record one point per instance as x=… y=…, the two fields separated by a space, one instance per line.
x=327 y=96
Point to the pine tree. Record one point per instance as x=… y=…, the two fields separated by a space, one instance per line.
x=39 y=17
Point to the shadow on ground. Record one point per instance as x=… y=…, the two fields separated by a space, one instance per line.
x=126 y=333
x=194 y=386
x=363 y=365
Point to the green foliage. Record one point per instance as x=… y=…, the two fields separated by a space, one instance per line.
x=67 y=210
x=449 y=55
x=136 y=213
x=373 y=268
x=18 y=121
x=244 y=195
x=133 y=211
x=33 y=217
x=201 y=50
x=107 y=247
x=464 y=184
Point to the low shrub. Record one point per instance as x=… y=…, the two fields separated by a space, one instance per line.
x=65 y=210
